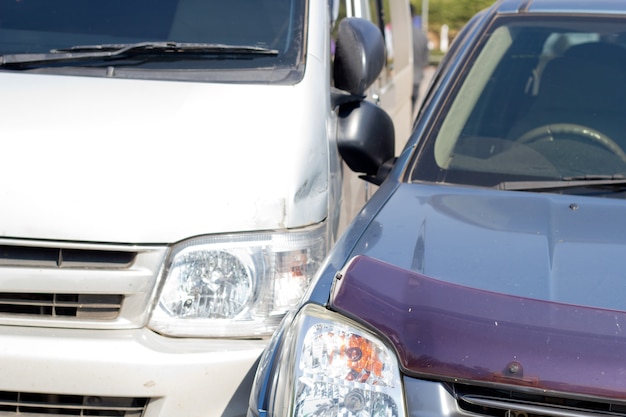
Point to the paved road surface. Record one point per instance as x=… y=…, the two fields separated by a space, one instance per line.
x=428 y=75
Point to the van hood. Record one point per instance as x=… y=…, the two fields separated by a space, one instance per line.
x=551 y=247
x=136 y=161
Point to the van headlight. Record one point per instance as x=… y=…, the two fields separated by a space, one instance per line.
x=337 y=369
x=237 y=285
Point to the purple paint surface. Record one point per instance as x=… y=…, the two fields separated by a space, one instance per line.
x=450 y=332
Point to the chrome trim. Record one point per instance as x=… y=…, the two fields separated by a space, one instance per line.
x=78 y=285
x=532 y=408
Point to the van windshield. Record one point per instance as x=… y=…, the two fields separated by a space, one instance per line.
x=241 y=29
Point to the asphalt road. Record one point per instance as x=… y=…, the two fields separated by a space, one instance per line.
x=428 y=75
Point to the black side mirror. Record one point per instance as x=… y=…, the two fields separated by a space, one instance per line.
x=365 y=132
x=359 y=55
x=366 y=139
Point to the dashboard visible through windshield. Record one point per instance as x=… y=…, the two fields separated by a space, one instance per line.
x=543 y=100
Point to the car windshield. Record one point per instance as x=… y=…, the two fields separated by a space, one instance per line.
x=207 y=34
x=542 y=100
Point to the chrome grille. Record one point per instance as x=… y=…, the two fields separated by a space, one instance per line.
x=32 y=404
x=77 y=285
x=63 y=257
x=504 y=403
x=82 y=306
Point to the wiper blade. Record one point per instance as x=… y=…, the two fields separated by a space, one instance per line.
x=585 y=181
x=82 y=52
x=168 y=47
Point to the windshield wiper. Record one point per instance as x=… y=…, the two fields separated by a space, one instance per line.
x=586 y=181
x=82 y=52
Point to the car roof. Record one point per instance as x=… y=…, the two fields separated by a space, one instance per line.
x=562 y=6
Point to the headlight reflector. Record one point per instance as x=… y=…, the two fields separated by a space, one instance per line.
x=236 y=285
x=209 y=284
x=343 y=369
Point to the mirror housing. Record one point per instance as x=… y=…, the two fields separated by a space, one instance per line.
x=365 y=132
x=366 y=139
x=359 y=55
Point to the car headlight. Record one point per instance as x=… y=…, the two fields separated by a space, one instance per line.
x=338 y=369
x=236 y=285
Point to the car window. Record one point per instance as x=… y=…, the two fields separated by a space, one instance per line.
x=39 y=26
x=541 y=99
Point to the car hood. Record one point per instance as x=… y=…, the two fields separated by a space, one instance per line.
x=551 y=247
x=507 y=288
x=459 y=334
x=139 y=161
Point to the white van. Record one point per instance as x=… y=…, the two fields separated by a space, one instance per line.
x=171 y=178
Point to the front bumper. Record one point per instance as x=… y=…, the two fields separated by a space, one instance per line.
x=177 y=377
x=430 y=399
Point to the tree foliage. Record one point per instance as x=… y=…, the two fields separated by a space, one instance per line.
x=454 y=13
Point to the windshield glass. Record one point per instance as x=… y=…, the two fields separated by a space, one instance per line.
x=42 y=26
x=542 y=100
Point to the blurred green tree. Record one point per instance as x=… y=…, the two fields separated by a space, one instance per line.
x=454 y=13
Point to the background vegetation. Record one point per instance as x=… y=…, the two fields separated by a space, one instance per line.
x=454 y=13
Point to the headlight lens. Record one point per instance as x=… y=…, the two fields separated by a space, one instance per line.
x=342 y=369
x=209 y=283
x=237 y=285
